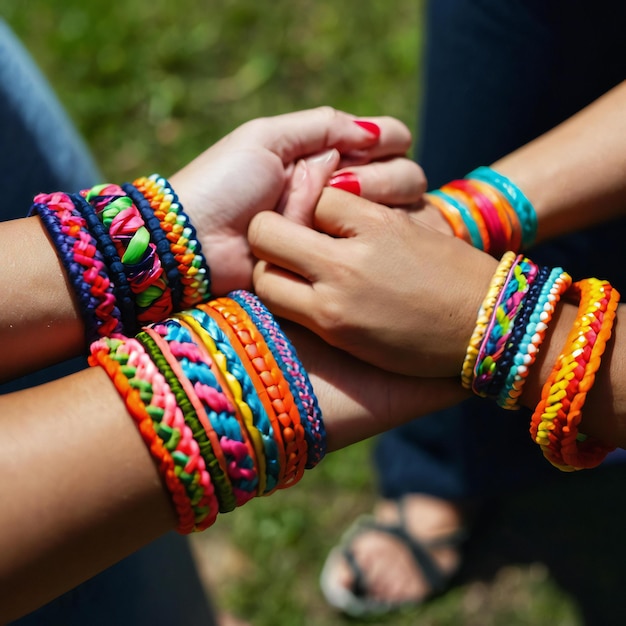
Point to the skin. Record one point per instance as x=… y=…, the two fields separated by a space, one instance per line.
x=72 y=442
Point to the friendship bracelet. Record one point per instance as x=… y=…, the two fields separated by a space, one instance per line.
x=261 y=421
x=554 y=424
x=194 y=272
x=484 y=315
x=293 y=370
x=556 y=284
x=289 y=430
x=159 y=239
x=134 y=242
x=215 y=483
x=83 y=262
x=233 y=443
x=275 y=455
x=117 y=274
x=501 y=324
x=517 y=331
x=113 y=356
x=234 y=387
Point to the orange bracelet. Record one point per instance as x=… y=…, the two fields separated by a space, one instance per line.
x=277 y=388
x=554 y=423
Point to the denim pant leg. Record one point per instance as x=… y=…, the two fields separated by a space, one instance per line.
x=498 y=74
x=41 y=151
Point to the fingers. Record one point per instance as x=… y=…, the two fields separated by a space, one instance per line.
x=394 y=182
x=294 y=247
x=305 y=186
x=295 y=135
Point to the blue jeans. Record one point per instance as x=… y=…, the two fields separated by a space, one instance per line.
x=42 y=151
x=498 y=74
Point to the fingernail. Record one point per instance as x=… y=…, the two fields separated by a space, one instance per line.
x=299 y=174
x=346 y=181
x=323 y=157
x=370 y=127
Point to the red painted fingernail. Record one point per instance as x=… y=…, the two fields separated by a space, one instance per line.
x=370 y=127
x=346 y=181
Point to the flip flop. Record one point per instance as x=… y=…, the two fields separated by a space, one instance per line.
x=354 y=601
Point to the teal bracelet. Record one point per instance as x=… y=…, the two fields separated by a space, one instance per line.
x=520 y=203
x=468 y=220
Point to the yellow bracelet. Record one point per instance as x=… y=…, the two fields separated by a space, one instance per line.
x=484 y=315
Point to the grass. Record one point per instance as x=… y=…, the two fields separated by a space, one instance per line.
x=151 y=83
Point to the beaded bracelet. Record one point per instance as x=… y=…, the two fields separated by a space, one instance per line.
x=289 y=431
x=293 y=370
x=484 y=315
x=83 y=263
x=554 y=424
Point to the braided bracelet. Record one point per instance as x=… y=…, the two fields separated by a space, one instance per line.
x=232 y=443
x=288 y=429
x=484 y=315
x=83 y=262
x=194 y=273
x=554 y=424
x=233 y=384
x=133 y=378
x=293 y=370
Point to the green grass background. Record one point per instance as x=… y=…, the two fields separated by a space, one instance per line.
x=151 y=83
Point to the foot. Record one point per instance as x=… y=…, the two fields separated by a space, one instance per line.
x=389 y=572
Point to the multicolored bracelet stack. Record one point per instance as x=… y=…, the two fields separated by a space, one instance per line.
x=222 y=402
x=130 y=252
x=487 y=210
x=510 y=329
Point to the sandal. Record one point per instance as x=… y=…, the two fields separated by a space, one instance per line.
x=354 y=601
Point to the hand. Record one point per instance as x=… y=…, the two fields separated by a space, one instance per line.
x=250 y=169
x=360 y=401
x=373 y=282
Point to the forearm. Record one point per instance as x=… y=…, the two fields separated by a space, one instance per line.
x=79 y=489
x=39 y=320
x=575 y=175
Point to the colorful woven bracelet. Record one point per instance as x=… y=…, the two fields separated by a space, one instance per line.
x=133 y=378
x=137 y=252
x=501 y=325
x=520 y=203
x=169 y=405
x=268 y=424
x=159 y=238
x=534 y=333
x=232 y=442
x=244 y=413
x=197 y=422
x=294 y=372
x=517 y=332
x=194 y=272
x=289 y=431
x=484 y=315
x=554 y=424
x=83 y=262
x=236 y=363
